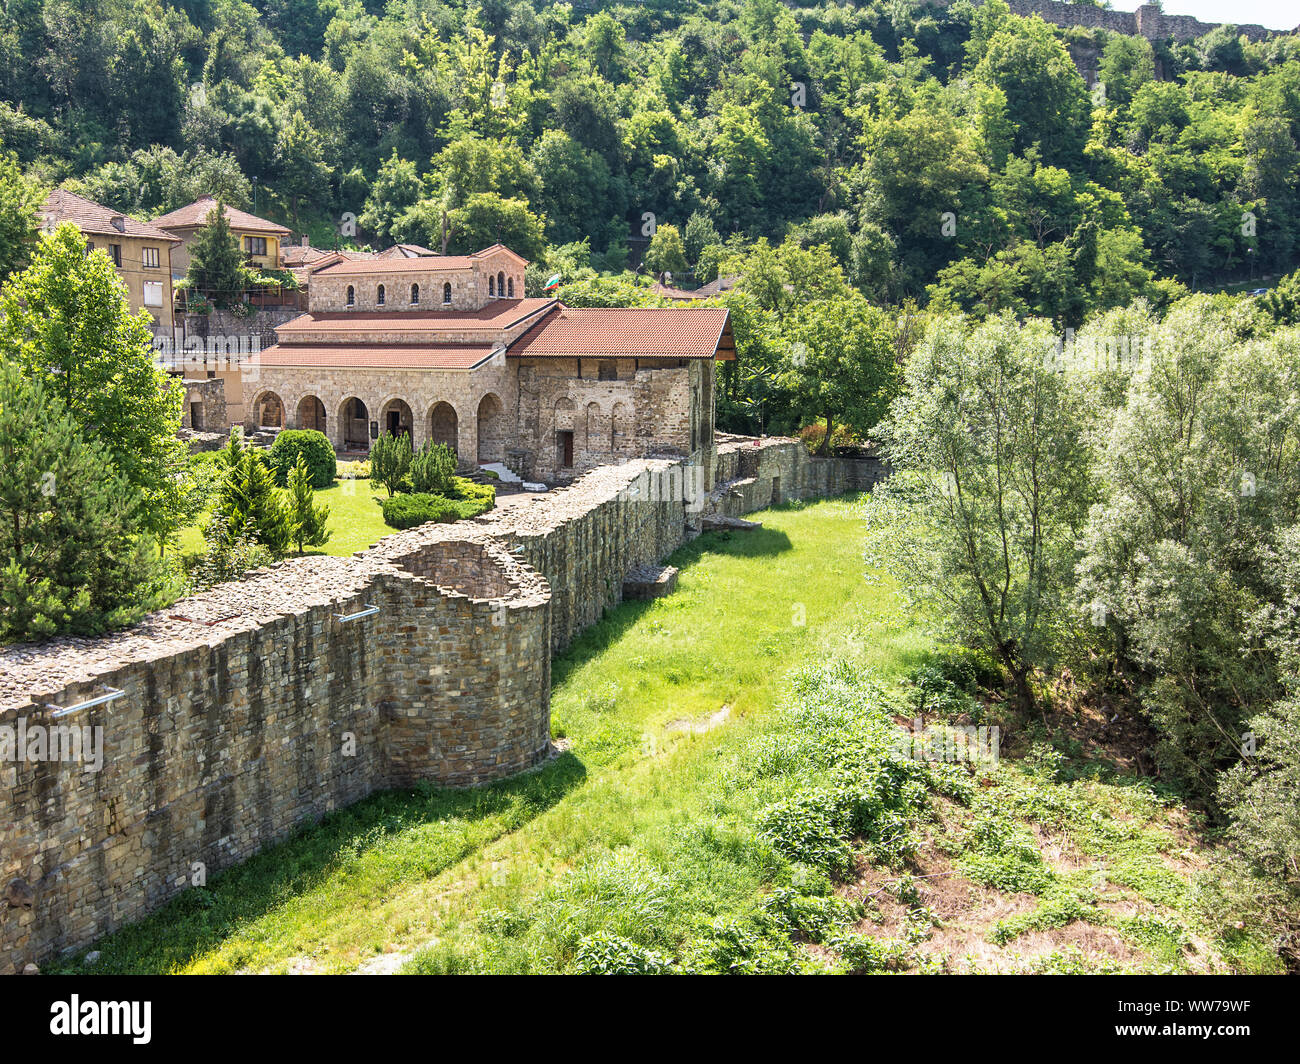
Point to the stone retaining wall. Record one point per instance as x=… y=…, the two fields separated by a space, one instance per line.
x=261 y=705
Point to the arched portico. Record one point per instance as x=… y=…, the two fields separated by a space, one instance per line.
x=491 y=429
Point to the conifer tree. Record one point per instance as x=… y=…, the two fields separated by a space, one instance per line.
x=74 y=556
x=216 y=265
x=307 y=520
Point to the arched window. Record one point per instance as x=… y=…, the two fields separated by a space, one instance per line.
x=492 y=286
x=446 y=292
x=510 y=281
x=379 y=297
x=352 y=296
x=501 y=284
x=415 y=294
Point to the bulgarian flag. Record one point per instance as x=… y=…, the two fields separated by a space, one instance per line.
x=554 y=282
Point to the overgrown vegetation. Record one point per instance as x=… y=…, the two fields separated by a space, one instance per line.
x=1115 y=522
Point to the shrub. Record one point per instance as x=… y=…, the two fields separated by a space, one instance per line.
x=407 y=511
x=322 y=466
x=606 y=954
x=433 y=469
x=390 y=461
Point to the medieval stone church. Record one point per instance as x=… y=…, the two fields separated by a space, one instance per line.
x=447 y=348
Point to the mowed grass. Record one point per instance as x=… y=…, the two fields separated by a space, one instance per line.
x=638 y=702
x=356 y=520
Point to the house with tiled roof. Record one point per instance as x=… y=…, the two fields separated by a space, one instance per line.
x=259 y=239
x=141 y=252
x=448 y=348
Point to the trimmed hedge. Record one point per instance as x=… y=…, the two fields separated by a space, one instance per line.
x=409 y=510
x=313 y=446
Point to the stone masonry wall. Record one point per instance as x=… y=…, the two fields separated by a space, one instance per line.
x=261 y=705
x=1147 y=21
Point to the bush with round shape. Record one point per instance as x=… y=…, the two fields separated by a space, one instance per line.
x=314 y=446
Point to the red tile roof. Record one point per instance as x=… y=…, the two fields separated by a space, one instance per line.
x=641 y=332
x=196 y=214
x=393 y=264
x=375 y=356
x=499 y=314
x=91 y=217
x=386 y=263
x=404 y=251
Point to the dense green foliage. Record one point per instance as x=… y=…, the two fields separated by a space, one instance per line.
x=390 y=461
x=432 y=470
x=64 y=320
x=313 y=446
x=74 y=556
x=1124 y=510
x=248 y=501
x=307 y=519
x=410 y=509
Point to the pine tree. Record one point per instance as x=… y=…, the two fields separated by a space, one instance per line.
x=306 y=518
x=390 y=461
x=74 y=556
x=216 y=265
x=249 y=501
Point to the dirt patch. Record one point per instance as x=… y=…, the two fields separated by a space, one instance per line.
x=699 y=727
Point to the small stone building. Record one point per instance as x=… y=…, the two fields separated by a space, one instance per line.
x=447 y=348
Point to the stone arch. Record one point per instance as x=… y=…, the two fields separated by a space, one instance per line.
x=351 y=296
x=492 y=287
x=444 y=424
x=595 y=437
x=491 y=429
x=446 y=292
x=268 y=411
x=510 y=281
x=620 y=428
x=311 y=413
x=564 y=414
x=395 y=418
x=354 y=425
x=381 y=296
x=501 y=284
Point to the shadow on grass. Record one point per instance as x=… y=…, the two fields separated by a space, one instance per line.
x=201 y=919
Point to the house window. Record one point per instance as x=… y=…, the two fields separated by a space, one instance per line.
x=352 y=296
x=415 y=294
x=115 y=253
x=153 y=294
x=254 y=245
x=379 y=297
x=149 y=258
x=510 y=281
x=607 y=371
x=446 y=293
x=492 y=286
x=501 y=285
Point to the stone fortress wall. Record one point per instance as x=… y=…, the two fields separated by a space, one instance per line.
x=263 y=704
x=1147 y=21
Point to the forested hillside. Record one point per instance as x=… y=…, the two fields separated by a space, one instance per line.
x=952 y=147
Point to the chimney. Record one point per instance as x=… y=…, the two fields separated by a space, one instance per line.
x=306 y=240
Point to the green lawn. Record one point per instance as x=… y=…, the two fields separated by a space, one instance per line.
x=356 y=520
